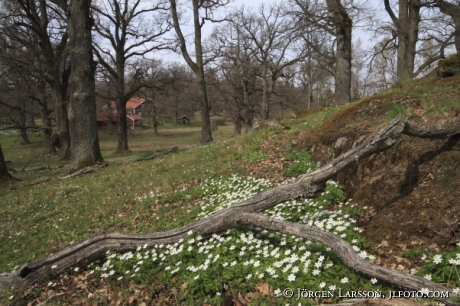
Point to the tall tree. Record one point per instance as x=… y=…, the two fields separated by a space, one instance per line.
x=332 y=19
x=343 y=29
x=240 y=70
x=407 y=30
x=122 y=24
x=33 y=23
x=275 y=38
x=85 y=149
x=197 y=66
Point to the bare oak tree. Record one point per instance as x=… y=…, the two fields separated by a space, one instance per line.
x=122 y=23
x=333 y=19
x=32 y=23
x=85 y=149
x=206 y=8
x=275 y=45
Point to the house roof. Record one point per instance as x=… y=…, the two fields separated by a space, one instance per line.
x=132 y=103
x=184 y=117
x=133 y=117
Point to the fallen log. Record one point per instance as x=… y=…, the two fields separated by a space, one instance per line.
x=244 y=213
x=172 y=150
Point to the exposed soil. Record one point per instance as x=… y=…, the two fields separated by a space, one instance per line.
x=411 y=192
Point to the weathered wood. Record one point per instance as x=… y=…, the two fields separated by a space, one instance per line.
x=243 y=213
x=80 y=172
x=172 y=150
x=349 y=256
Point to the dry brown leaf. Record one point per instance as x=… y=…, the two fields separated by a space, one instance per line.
x=264 y=288
x=243 y=299
x=131 y=300
x=116 y=298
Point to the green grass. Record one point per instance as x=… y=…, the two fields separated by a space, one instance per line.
x=165 y=193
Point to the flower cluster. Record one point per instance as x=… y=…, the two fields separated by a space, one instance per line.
x=249 y=255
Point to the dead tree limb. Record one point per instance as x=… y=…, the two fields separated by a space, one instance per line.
x=82 y=171
x=243 y=213
x=172 y=150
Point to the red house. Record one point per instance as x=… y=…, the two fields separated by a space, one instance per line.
x=135 y=109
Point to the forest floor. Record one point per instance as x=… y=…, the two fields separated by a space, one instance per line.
x=409 y=194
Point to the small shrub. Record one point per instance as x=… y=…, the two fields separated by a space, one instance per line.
x=301 y=163
x=397 y=110
x=450 y=66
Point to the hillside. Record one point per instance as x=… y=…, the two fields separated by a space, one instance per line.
x=405 y=201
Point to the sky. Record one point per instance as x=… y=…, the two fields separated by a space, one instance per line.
x=169 y=56
x=358 y=32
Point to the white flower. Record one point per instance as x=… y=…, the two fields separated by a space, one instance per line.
x=197 y=277
x=332 y=288
x=291 y=277
x=428 y=277
x=54 y=267
x=316 y=272
x=322 y=285
x=456 y=290
x=344 y=280
x=437 y=259
x=277 y=292
x=373 y=281
x=424 y=290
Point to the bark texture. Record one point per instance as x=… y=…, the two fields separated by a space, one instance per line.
x=4 y=174
x=343 y=30
x=407 y=28
x=82 y=111
x=245 y=214
x=197 y=66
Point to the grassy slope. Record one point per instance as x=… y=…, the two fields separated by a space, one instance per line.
x=37 y=221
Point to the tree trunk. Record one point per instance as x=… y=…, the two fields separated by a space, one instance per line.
x=121 y=103
x=237 y=123
x=201 y=82
x=47 y=131
x=343 y=29
x=265 y=107
x=62 y=137
x=122 y=127
x=407 y=26
x=24 y=138
x=30 y=120
x=4 y=174
x=23 y=124
x=82 y=111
